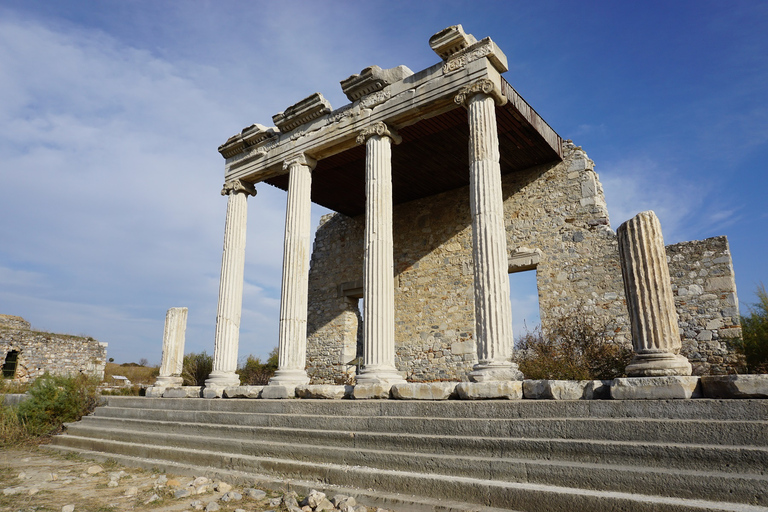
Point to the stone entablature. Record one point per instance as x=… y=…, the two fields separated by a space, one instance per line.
x=57 y=354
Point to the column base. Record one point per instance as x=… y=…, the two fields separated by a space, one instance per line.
x=168 y=382
x=379 y=375
x=222 y=379
x=289 y=378
x=658 y=364
x=492 y=372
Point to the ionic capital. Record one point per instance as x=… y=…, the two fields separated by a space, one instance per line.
x=237 y=186
x=484 y=86
x=380 y=129
x=302 y=159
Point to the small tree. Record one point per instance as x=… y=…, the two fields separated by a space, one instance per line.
x=196 y=368
x=255 y=373
x=754 y=331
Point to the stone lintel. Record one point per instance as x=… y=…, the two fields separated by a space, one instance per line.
x=352 y=289
x=302 y=112
x=656 y=388
x=450 y=40
x=372 y=79
x=523 y=258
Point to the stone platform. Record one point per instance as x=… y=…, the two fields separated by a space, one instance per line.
x=525 y=455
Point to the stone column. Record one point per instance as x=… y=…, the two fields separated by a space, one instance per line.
x=378 y=279
x=652 y=313
x=493 y=309
x=230 y=288
x=292 y=348
x=173 y=348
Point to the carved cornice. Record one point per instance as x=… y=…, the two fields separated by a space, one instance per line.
x=300 y=160
x=372 y=79
x=380 y=129
x=484 y=86
x=302 y=112
x=450 y=40
x=481 y=49
x=238 y=186
x=249 y=137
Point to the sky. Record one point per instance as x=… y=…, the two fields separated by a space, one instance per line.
x=111 y=113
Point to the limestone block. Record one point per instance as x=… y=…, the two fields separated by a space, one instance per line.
x=597 y=390
x=324 y=391
x=183 y=392
x=278 y=392
x=424 y=390
x=374 y=390
x=243 y=391
x=154 y=392
x=510 y=390
x=210 y=391
x=656 y=388
x=735 y=386
x=556 y=389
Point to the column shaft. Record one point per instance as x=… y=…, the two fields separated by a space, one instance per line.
x=172 y=361
x=231 y=286
x=648 y=289
x=292 y=349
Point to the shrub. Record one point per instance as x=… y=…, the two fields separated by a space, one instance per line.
x=196 y=368
x=754 y=332
x=54 y=400
x=255 y=373
x=577 y=348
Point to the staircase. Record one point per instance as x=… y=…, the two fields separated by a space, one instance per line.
x=527 y=455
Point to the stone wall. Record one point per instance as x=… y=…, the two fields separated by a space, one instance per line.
x=40 y=352
x=556 y=221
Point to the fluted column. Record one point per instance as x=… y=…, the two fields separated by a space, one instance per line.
x=493 y=309
x=292 y=348
x=378 y=280
x=652 y=313
x=230 y=286
x=173 y=348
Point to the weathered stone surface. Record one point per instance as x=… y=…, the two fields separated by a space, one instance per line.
x=302 y=112
x=509 y=390
x=276 y=392
x=243 y=392
x=372 y=79
x=182 y=392
x=424 y=390
x=735 y=386
x=325 y=391
x=647 y=286
x=173 y=348
x=656 y=388
x=566 y=389
x=597 y=390
x=365 y=391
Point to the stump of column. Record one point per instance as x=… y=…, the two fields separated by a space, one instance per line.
x=230 y=290
x=493 y=309
x=378 y=281
x=172 y=361
x=648 y=290
x=292 y=344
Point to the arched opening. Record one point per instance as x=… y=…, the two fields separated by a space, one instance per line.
x=9 y=365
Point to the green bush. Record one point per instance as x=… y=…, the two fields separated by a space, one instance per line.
x=54 y=400
x=255 y=373
x=577 y=348
x=196 y=368
x=754 y=332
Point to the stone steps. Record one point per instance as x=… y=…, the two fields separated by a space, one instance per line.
x=618 y=455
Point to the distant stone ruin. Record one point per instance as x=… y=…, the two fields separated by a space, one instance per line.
x=26 y=354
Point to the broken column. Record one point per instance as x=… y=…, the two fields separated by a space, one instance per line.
x=652 y=314
x=173 y=349
x=493 y=309
x=378 y=278
x=230 y=289
x=292 y=344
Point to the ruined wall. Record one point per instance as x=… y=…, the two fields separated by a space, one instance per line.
x=558 y=211
x=704 y=285
x=41 y=352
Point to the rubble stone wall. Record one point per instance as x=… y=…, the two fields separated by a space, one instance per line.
x=58 y=354
x=557 y=210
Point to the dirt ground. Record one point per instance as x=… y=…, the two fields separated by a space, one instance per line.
x=34 y=479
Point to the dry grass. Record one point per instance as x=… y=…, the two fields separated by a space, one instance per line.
x=135 y=373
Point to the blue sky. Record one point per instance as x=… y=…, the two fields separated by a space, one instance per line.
x=111 y=113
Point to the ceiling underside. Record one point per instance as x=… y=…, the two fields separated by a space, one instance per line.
x=432 y=158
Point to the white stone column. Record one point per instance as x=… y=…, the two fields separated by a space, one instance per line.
x=173 y=348
x=292 y=348
x=230 y=288
x=493 y=310
x=652 y=313
x=378 y=280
